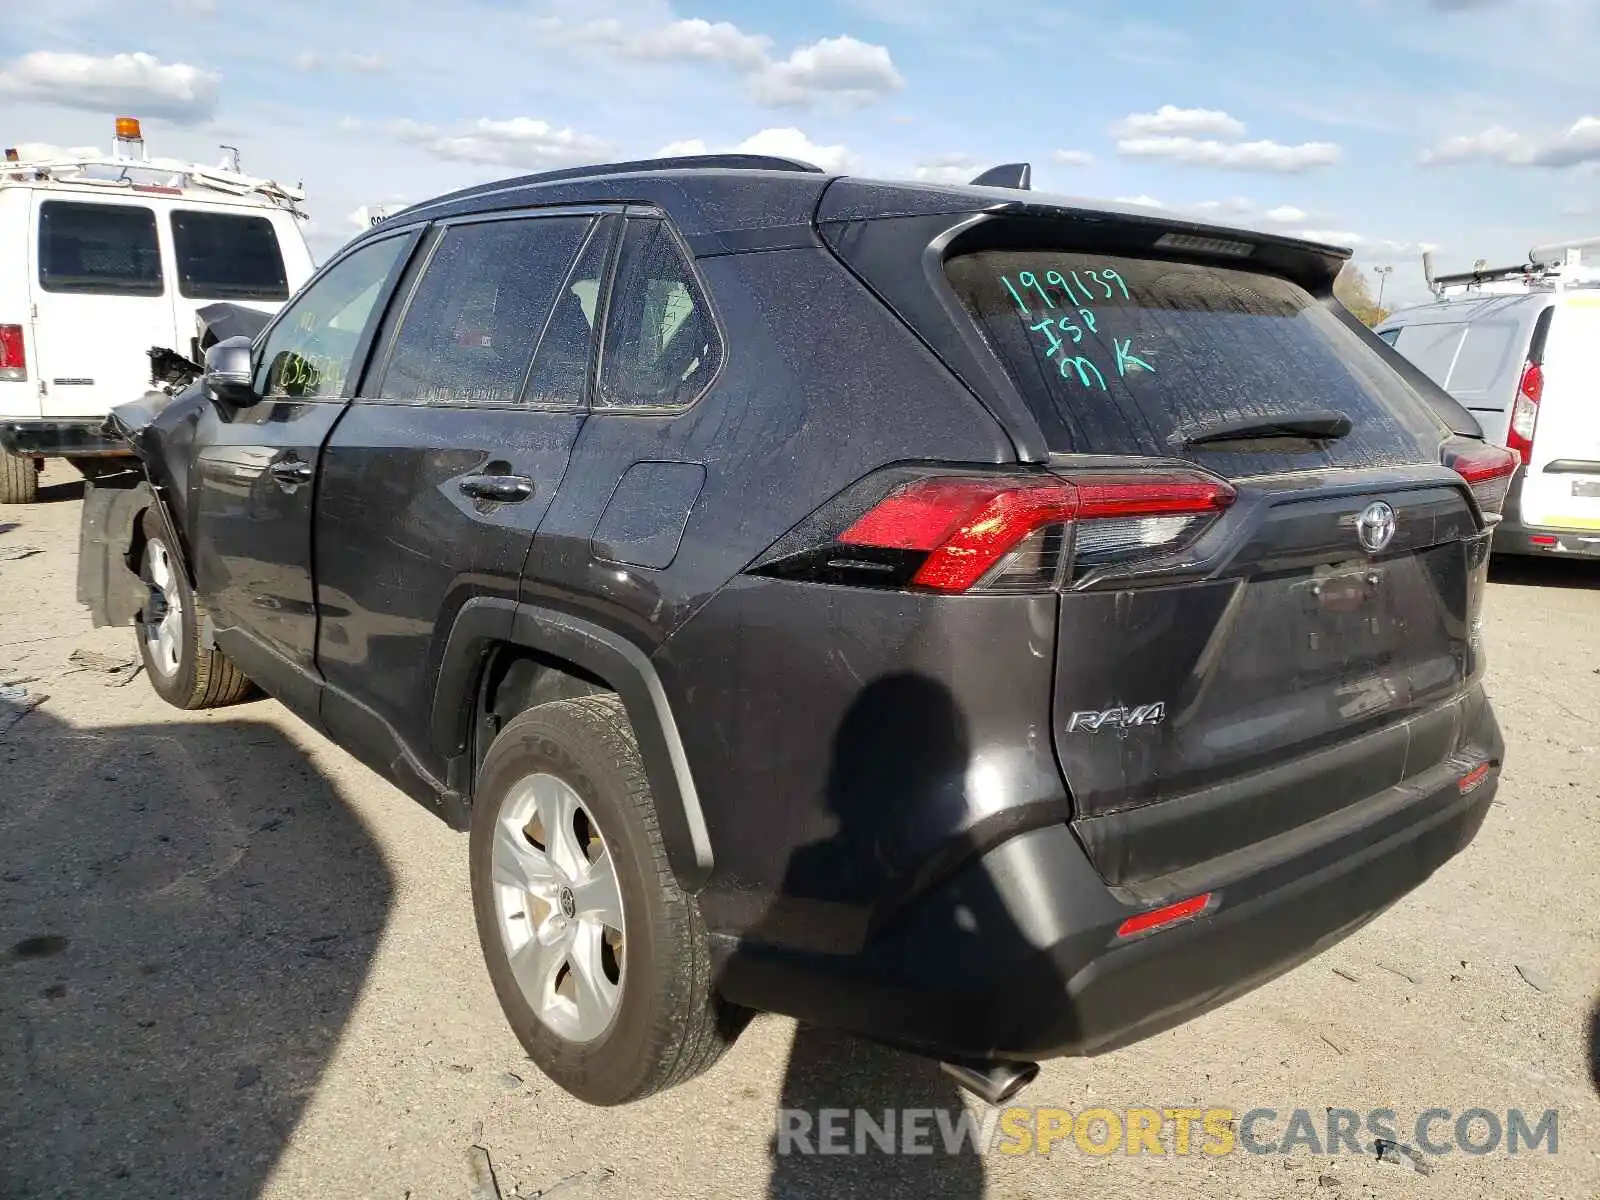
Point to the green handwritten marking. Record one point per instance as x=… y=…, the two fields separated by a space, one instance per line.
x=1083 y=366
x=1088 y=319
x=1055 y=277
x=1108 y=273
x=1047 y=327
x=1014 y=295
x=1064 y=323
x=1029 y=279
x=1125 y=358
x=1088 y=296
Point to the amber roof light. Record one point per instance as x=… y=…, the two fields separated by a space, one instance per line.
x=128 y=129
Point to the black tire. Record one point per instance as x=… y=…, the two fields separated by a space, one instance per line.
x=19 y=478
x=669 y=1024
x=201 y=678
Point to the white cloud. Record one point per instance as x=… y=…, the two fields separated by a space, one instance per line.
x=691 y=40
x=1238 y=156
x=1234 y=206
x=1578 y=143
x=1337 y=237
x=1365 y=247
x=1285 y=214
x=517 y=142
x=1073 y=158
x=1170 y=120
x=843 y=70
x=136 y=84
x=786 y=142
x=947 y=168
x=789 y=142
x=1141 y=201
x=679 y=149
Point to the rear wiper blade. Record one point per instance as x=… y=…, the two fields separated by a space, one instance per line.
x=1318 y=425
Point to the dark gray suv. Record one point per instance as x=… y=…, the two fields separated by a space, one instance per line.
x=990 y=624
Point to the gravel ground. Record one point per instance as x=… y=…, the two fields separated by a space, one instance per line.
x=233 y=962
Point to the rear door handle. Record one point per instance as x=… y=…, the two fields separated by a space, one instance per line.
x=506 y=489
x=291 y=471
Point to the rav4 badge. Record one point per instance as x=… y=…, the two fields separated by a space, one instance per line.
x=1117 y=718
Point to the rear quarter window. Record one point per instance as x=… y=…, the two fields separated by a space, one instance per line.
x=228 y=256
x=1132 y=356
x=98 y=249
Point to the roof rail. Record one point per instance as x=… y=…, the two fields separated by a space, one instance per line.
x=1017 y=176
x=116 y=172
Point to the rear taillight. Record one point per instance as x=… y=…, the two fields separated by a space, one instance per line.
x=13 y=356
x=1525 y=412
x=1487 y=470
x=1006 y=533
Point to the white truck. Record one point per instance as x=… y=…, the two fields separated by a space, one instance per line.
x=106 y=259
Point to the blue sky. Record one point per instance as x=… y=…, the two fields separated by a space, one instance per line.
x=1390 y=125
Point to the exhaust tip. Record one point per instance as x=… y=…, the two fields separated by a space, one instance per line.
x=992 y=1082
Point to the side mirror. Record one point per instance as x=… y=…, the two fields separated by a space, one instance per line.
x=229 y=371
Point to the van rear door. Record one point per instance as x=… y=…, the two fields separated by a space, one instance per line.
x=100 y=301
x=254 y=257
x=1561 y=484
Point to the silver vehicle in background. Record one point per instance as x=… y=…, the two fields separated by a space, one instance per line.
x=1520 y=347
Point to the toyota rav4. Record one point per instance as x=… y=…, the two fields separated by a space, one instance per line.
x=993 y=624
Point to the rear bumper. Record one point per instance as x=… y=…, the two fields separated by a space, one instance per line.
x=1018 y=955
x=78 y=438
x=1514 y=536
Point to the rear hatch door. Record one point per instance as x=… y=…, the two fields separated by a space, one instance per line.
x=1302 y=655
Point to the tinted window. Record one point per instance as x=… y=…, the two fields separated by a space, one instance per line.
x=561 y=366
x=661 y=346
x=311 y=351
x=470 y=330
x=99 y=249
x=224 y=256
x=1133 y=356
x=1389 y=335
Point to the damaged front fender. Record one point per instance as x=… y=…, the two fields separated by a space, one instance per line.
x=107 y=583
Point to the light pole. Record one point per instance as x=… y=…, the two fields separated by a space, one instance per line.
x=1383 y=277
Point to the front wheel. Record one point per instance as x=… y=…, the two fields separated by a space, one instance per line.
x=183 y=673
x=599 y=959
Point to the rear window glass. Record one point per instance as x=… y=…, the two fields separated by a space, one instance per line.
x=1490 y=355
x=226 y=256
x=1134 y=356
x=98 y=249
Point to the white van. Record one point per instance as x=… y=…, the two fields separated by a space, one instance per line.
x=1528 y=367
x=102 y=259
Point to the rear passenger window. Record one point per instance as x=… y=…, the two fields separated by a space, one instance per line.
x=98 y=249
x=1432 y=348
x=561 y=366
x=470 y=330
x=223 y=256
x=661 y=346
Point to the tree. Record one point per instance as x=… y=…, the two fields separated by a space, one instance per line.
x=1353 y=291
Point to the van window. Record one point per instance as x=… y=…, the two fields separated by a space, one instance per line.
x=661 y=346
x=1133 y=356
x=227 y=256
x=470 y=329
x=1432 y=348
x=1389 y=335
x=1490 y=359
x=98 y=249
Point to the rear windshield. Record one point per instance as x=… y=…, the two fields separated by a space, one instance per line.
x=224 y=256
x=1135 y=356
x=98 y=249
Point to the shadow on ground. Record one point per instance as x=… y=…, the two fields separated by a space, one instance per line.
x=832 y=1071
x=1545 y=572
x=187 y=913
x=60 y=490
x=1594 y=1047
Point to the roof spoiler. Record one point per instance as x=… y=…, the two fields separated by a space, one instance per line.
x=1017 y=176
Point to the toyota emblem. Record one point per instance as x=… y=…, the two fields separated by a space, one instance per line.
x=1375 y=527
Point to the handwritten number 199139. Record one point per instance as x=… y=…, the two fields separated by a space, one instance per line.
x=1078 y=292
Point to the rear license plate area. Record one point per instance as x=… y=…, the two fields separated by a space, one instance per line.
x=1345 y=621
